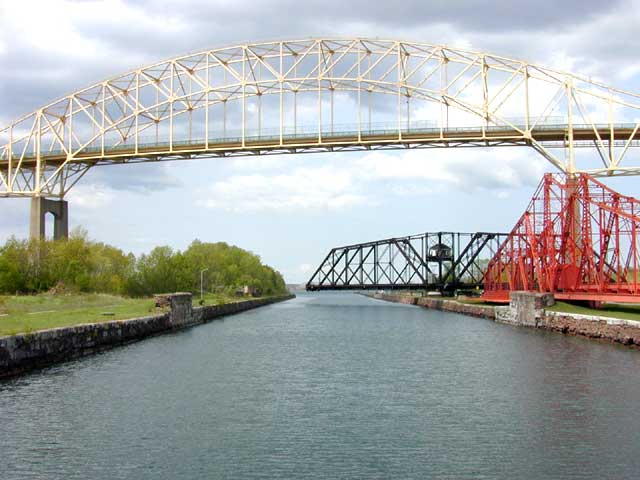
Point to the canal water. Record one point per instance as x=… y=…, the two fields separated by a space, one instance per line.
x=331 y=386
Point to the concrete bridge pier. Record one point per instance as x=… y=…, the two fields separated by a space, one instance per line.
x=40 y=206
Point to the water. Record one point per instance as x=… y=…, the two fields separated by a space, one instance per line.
x=331 y=386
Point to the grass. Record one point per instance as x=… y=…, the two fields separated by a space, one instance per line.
x=30 y=313
x=471 y=301
x=612 y=310
x=215 y=299
x=220 y=299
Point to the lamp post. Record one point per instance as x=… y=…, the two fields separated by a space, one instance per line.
x=202 y=283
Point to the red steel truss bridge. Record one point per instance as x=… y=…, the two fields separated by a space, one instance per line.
x=577 y=239
x=440 y=261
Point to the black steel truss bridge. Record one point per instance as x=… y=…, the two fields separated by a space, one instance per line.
x=438 y=261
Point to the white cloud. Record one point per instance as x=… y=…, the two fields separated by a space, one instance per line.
x=468 y=169
x=51 y=29
x=138 y=178
x=90 y=196
x=260 y=163
x=629 y=71
x=320 y=188
x=351 y=182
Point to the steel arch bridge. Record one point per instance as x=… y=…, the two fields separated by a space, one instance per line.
x=319 y=95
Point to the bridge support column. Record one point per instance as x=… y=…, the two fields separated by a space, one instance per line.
x=40 y=206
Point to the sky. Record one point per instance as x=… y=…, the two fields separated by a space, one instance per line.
x=292 y=209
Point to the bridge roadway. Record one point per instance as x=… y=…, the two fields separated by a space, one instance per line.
x=555 y=135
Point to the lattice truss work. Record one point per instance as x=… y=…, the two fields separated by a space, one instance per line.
x=434 y=261
x=577 y=239
x=320 y=95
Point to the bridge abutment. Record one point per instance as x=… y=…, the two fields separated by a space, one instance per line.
x=40 y=206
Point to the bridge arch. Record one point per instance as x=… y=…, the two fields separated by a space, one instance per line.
x=316 y=95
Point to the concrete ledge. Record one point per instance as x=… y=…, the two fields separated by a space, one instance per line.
x=24 y=352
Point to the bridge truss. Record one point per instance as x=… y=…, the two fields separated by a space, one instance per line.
x=577 y=239
x=319 y=95
x=442 y=261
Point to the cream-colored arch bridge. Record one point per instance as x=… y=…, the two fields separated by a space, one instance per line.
x=318 y=95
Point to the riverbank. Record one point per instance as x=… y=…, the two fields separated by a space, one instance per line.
x=533 y=311
x=27 y=351
x=30 y=313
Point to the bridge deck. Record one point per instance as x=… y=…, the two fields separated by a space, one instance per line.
x=550 y=135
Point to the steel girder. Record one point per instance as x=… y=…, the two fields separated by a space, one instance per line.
x=577 y=239
x=443 y=261
x=317 y=95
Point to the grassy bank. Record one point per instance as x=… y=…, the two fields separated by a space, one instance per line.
x=612 y=310
x=219 y=299
x=28 y=313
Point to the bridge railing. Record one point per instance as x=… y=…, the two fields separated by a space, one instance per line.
x=310 y=131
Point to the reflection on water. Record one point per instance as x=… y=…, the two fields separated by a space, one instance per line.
x=331 y=386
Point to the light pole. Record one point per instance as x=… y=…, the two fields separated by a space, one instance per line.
x=202 y=283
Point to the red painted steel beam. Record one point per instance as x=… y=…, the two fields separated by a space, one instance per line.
x=577 y=239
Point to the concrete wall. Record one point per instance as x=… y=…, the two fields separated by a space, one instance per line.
x=20 y=353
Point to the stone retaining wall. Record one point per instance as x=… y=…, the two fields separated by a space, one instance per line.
x=616 y=330
x=20 y=353
x=529 y=310
x=482 y=311
x=439 y=303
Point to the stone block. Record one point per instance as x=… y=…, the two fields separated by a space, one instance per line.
x=527 y=308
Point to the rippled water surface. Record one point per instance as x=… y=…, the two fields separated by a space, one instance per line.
x=331 y=386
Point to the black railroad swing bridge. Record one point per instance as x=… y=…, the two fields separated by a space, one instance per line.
x=435 y=261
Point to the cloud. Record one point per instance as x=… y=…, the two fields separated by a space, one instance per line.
x=331 y=184
x=76 y=43
x=502 y=14
x=319 y=188
x=15 y=217
x=49 y=49
x=471 y=170
x=91 y=196
x=104 y=184
x=139 y=178
x=262 y=163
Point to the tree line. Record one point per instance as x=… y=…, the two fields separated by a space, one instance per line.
x=82 y=265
